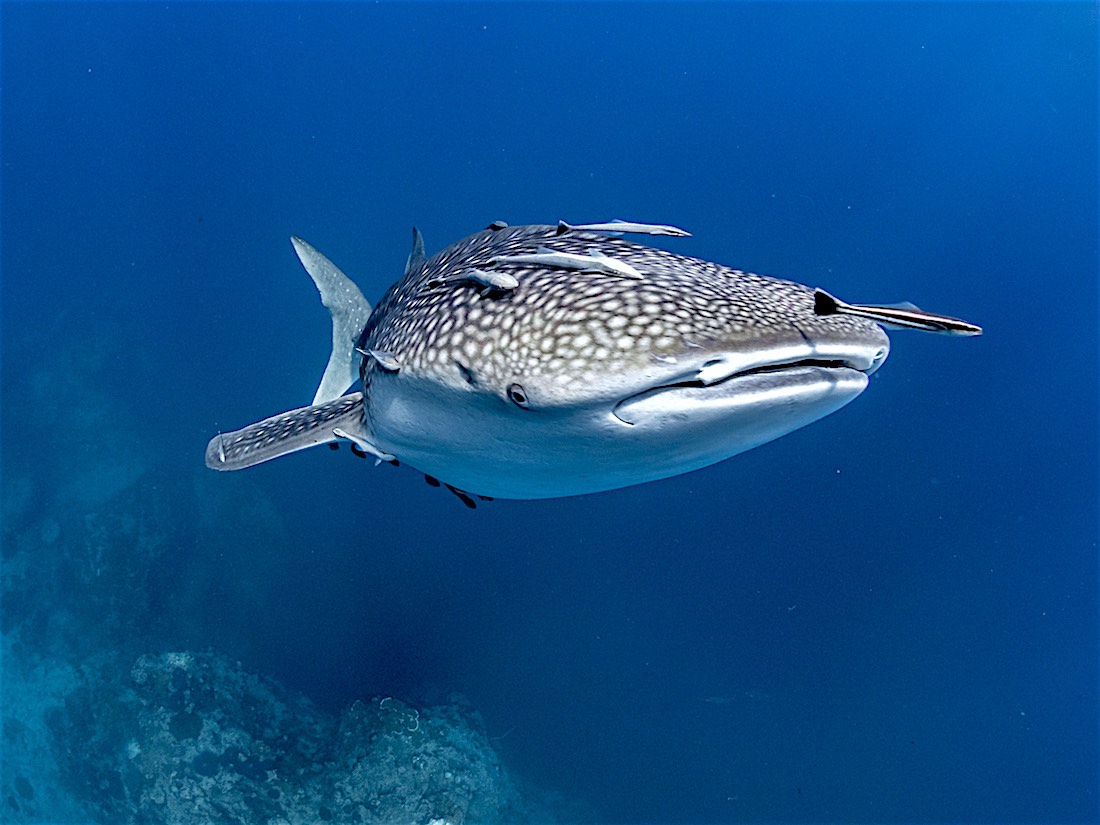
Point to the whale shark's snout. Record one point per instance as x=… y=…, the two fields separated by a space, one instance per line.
x=808 y=375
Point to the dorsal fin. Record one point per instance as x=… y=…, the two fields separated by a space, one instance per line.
x=350 y=311
x=416 y=255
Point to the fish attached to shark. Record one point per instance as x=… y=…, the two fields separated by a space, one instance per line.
x=540 y=361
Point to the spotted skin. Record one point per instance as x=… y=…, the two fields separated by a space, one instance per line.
x=571 y=330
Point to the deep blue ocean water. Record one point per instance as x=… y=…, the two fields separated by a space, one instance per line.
x=887 y=616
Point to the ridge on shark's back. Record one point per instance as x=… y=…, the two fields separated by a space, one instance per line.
x=540 y=361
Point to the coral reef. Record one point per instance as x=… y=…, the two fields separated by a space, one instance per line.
x=193 y=737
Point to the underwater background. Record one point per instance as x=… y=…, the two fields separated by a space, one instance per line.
x=887 y=616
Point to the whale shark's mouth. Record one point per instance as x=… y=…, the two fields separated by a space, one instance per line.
x=760 y=370
x=788 y=382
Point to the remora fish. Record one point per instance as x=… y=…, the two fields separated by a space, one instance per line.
x=902 y=316
x=593 y=261
x=620 y=227
x=569 y=382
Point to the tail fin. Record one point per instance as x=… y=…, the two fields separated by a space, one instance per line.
x=350 y=311
x=286 y=433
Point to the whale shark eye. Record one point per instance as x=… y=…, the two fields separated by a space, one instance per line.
x=517 y=395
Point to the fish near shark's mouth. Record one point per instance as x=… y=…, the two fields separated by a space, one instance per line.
x=753 y=390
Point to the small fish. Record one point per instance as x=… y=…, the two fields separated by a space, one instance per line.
x=495 y=281
x=903 y=316
x=591 y=262
x=618 y=227
x=386 y=360
x=359 y=441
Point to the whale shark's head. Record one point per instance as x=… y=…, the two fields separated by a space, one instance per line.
x=573 y=380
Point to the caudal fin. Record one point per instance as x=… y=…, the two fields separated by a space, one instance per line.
x=350 y=311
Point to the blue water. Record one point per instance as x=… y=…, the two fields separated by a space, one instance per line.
x=888 y=616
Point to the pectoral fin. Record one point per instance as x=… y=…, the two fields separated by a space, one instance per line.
x=286 y=433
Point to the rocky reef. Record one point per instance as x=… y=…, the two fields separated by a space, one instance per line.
x=192 y=737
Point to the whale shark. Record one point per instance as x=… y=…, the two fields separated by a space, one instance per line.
x=528 y=362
